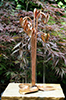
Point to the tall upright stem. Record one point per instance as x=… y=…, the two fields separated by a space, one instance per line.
x=33 y=53
x=33 y=58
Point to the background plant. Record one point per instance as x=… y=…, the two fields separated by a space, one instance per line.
x=22 y=49
x=61 y=3
x=9 y=26
x=5 y=59
x=52 y=51
x=26 y=4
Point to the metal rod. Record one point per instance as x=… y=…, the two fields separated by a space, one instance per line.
x=33 y=58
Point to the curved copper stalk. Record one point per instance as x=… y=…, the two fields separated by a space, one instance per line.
x=27 y=17
x=37 y=21
x=34 y=17
x=44 y=15
x=39 y=33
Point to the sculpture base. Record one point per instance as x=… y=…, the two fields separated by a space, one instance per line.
x=12 y=93
x=28 y=88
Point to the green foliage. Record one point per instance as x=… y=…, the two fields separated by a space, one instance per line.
x=20 y=4
x=61 y=3
x=50 y=75
x=64 y=79
x=26 y=5
x=51 y=21
x=5 y=64
x=6 y=61
x=1 y=3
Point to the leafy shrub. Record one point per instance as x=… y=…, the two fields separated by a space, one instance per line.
x=6 y=61
x=64 y=79
x=5 y=66
x=53 y=50
x=26 y=4
x=61 y=3
x=10 y=63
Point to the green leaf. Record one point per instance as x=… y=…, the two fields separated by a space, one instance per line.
x=63 y=23
x=7 y=73
x=1 y=3
x=16 y=0
x=16 y=62
x=18 y=6
x=39 y=49
x=12 y=73
x=2 y=67
x=65 y=0
x=60 y=4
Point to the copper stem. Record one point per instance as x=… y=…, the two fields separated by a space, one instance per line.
x=33 y=58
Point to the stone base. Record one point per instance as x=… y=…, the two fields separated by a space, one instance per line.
x=12 y=93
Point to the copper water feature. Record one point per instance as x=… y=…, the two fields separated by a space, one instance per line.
x=32 y=31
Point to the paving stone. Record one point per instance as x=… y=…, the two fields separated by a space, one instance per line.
x=12 y=93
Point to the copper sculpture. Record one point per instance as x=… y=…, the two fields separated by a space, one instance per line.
x=32 y=32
